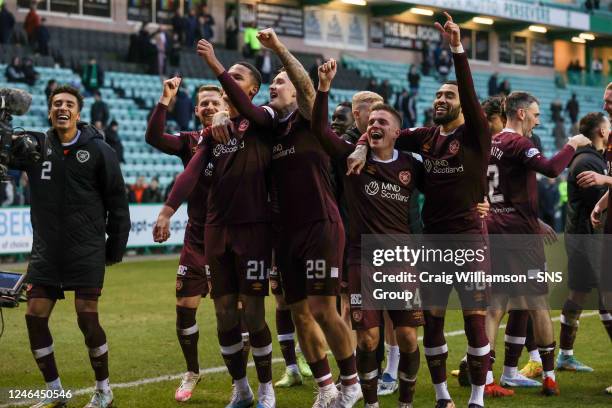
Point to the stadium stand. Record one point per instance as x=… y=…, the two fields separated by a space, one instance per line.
x=140 y=92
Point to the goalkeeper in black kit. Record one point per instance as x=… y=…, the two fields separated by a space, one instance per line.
x=81 y=222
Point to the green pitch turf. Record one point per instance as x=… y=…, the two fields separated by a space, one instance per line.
x=137 y=311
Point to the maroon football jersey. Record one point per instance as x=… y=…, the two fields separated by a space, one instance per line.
x=183 y=145
x=239 y=185
x=300 y=166
x=513 y=190
x=301 y=169
x=378 y=198
x=455 y=164
x=608 y=224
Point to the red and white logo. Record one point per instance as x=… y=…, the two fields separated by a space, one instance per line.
x=244 y=125
x=405 y=177
x=453 y=147
x=179 y=284
x=357 y=315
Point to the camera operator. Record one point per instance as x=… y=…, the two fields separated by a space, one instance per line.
x=78 y=197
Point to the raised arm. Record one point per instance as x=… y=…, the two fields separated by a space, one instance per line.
x=181 y=190
x=475 y=119
x=155 y=135
x=188 y=179
x=335 y=147
x=262 y=116
x=554 y=166
x=295 y=70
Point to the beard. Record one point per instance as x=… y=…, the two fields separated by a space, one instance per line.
x=451 y=114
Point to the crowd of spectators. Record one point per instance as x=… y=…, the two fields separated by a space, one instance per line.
x=161 y=47
x=495 y=88
x=142 y=193
x=21 y=71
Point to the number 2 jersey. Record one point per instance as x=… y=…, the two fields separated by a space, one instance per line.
x=513 y=189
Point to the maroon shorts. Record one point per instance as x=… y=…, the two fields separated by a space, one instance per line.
x=473 y=295
x=276 y=283
x=191 y=279
x=310 y=260
x=238 y=259
x=526 y=262
x=366 y=319
x=34 y=291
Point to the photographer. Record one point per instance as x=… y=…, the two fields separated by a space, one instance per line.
x=78 y=197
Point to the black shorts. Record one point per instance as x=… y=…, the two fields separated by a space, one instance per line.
x=583 y=258
x=238 y=259
x=310 y=260
x=34 y=291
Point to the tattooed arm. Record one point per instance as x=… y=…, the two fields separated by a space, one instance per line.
x=296 y=72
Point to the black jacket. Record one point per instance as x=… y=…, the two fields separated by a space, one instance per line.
x=77 y=197
x=99 y=112
x=580 y=201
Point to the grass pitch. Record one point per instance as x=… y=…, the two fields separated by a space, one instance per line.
x=138 y=313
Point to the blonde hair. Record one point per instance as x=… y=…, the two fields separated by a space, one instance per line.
x=208 y=88
x=365 y=97
x=609 y=87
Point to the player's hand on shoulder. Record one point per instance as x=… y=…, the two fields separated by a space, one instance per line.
x=222 y=127
x=327 y=72
x=269 y=39
x=590 y=178
x=171 y=87
x=450 y=30
x=356 y=161
x=579 y=141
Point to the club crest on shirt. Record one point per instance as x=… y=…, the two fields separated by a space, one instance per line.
x=426 y=147
x=532 y=152
x=357 y=315
x=244 y=125
x=370 y=169
x=82 y=156
x=405 y=177
x=453 y=147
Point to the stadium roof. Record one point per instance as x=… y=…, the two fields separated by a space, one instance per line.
x=561 y=21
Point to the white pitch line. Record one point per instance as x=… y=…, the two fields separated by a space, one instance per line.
x=221 y=369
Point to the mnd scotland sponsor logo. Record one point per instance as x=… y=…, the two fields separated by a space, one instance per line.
x=231 y=147
x=441 y=166
x=279 y=151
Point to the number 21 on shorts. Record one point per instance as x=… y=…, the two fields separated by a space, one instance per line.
x=256 y=270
